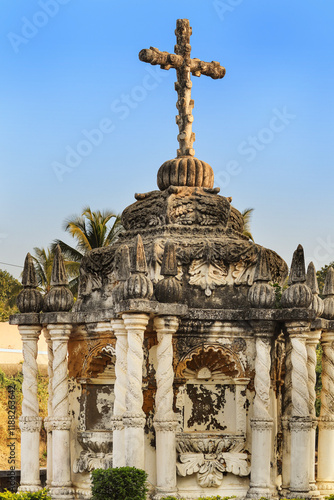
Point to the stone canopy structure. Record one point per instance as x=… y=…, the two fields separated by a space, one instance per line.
x=178 y=356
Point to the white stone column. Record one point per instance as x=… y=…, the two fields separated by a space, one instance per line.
x=300 y=421
x=30 y=422
x=61 y=486
x=262 y=422
x=120 y=389
x=164 y=420
x=47 y=424
x=325 y=480
x=311 y=345
x=134 y=417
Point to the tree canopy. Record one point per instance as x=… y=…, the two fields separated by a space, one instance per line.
x=9 y=290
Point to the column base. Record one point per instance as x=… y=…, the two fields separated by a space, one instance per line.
x=259 y=492
x=62 y=493
x=325 y=487
x=30 y=488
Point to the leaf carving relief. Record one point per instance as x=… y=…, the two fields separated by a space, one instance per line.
x=207 y=275
x=209 y=459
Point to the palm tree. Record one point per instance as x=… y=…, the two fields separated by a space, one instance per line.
x=247 y=215
x=91 y=230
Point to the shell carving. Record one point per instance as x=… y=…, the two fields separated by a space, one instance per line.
x=185 y=171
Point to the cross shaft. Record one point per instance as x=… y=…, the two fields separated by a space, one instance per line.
x=184 y=65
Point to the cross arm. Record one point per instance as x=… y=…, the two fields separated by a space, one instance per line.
x=213 y=69
x=165 y=59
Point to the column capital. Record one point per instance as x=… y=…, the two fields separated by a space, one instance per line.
x=135 y=321
x=166 y=324
x=165 y=425
x=326 y=422
x=118 y=327
x=327 y=336
x=301 y=423
x=99 y=328
x=298 y=329
x=263 y=328
x=29 y=332
x=262 y=424
x=313 y=337
x=60 y=331
x=136 y=420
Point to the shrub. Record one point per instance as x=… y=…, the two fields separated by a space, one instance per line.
x=201 y=498
x=126 y=483
x=39 y=495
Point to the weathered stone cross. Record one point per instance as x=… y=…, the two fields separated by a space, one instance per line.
x=184 y=65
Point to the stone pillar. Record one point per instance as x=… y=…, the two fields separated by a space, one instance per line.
x=48 y=419
x=300 y=421
x=134 y=417
x=311 y=345
x=262 y=422
x=120 y=392
x=61 y=486
x=30 y=422
x=164 y=419
x=325 y=481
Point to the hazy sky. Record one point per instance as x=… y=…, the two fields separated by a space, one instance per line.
x=84 y=122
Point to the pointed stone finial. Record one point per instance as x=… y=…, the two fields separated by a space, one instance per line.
x=60 y=297
x=298 y=293
x=297 y=271
x=29 y=300
x=169 y=288
x=122 y=271
x=328 y=292
x=58 y=276
x=169 y=264
x=261 y=294
x=138 y=285
x=140 y=259
x=317 y=304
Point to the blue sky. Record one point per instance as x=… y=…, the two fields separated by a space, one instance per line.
x=70 y=67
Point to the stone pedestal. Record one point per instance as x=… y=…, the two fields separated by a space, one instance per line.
x=286 y=454
x=120 y=389
x=60 y=422
x=325 y=481
x=134 y=417
x=261 y=423
x=300 y=452
x=164 y=420
x=30 y=422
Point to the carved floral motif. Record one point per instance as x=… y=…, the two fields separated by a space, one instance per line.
x=210 y=458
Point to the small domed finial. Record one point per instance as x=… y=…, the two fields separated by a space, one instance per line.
x=261 y=294
x=29 y=300
x=168 y=289
x=60 y=297
x=138 y=285
x=317 y=304
x=328 y=292
x=298 y=293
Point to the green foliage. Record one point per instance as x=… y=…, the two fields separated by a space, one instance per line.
x=39 y=495
x=9 y=290
x=330 y=497
x=217 y=497
x=126 y=483
x=321 y=276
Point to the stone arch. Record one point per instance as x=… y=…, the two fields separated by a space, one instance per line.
x=98 y=358
x=210 y=360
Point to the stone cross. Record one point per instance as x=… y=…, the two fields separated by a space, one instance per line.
x=184 y=65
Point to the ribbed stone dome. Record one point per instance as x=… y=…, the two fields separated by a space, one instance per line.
x=185 y=171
